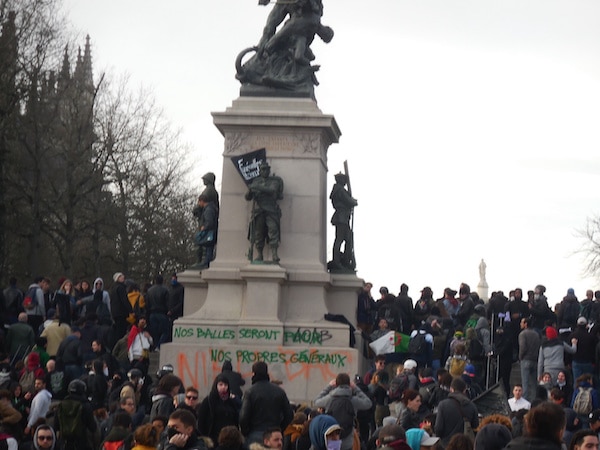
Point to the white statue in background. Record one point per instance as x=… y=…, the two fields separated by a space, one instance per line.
x=482 y=267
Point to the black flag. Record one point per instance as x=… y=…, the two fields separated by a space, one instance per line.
x=248 y=164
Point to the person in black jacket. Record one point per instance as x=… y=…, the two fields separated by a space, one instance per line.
x=120 y=308
x=264 y=406
x=79 y=438
x=181 y=432
x=219 y=409
x=234 y=379
x=452 y=412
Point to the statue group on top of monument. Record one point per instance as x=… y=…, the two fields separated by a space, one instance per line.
x=264 y=226
x=283 y=57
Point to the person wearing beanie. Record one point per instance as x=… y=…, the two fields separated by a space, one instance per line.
x=419 y=439
x=493 y=436
x=265 y=405
x=567 y=311
x=552 y=351
x=392 y=437
x=539 y=309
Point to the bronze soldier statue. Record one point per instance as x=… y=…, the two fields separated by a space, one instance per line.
x=344 y=204
x=265 y=190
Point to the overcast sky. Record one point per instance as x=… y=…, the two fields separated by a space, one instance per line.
x=470 y=126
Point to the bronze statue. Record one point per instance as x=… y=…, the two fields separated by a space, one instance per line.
x=282 y=58
x=344 y=204
x=207 y=213
x=265 y=190
x=209 y=190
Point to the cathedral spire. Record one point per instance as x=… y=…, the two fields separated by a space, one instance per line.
x=65 y=72
x=86 y=69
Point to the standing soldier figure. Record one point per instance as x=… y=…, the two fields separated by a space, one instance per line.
x=265 y=190
x=343 y=203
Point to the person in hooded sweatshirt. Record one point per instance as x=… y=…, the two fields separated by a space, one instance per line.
x=235 y=379
x=552 y=351
x=324 y=432
x=220 y=408
x=162 y=400
x=342 y=387
x=44 y=438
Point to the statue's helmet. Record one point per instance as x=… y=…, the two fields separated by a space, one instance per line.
x=341 y=177
x=210 y=177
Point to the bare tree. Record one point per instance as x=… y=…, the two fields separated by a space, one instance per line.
x=145 y=165
x=590 y=247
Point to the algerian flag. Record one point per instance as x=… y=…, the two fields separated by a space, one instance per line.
x=392 y=342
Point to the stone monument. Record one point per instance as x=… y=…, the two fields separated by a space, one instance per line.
x=482 y=286
x=245 y=311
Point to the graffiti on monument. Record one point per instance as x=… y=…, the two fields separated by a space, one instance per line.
x=307 y=336
x=200 y=367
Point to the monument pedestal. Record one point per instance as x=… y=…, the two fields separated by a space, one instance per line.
x=273 y=312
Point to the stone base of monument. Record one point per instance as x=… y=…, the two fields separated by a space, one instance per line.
x=248 y=312
x=303 y=370
x=266 y=313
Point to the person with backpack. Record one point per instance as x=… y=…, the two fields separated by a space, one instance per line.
x=75 y=422
x=341 y=399
x=405 y=379
x=13 y=301
x=119 y=436
x=31 y=372
x=377 y=390
x=420 y=345
x=20 y=338
x=33 y=302
x=585 y=398
x=455 y=414
x=456 y=363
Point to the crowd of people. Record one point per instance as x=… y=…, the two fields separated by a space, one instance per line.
x=459 y=344
x=75 y=374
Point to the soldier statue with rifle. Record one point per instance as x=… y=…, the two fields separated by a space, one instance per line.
x=265 y=190
x=344 y=204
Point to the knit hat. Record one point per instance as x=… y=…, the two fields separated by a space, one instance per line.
x=493 y=436
x=470 y=370
x=410 y=364
x=551 y=333
x=117 y=275
x=582 y=321
x=389 y=420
